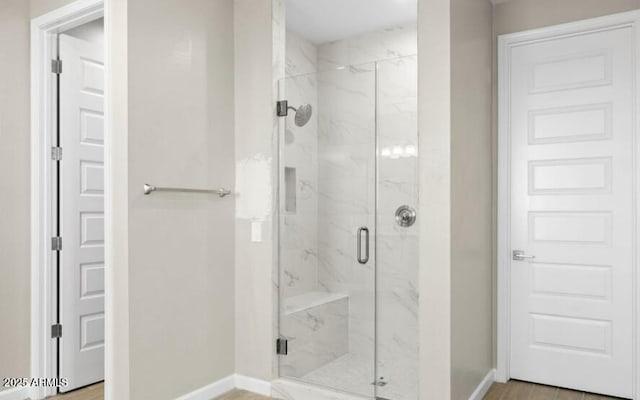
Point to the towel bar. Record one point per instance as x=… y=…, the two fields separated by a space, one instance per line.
x=148 y=189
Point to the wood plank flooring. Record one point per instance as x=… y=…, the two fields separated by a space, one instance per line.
x=93 y=392
x=517 y=390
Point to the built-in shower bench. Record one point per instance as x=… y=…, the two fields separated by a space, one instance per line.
x=310 y=300
x=316 y=325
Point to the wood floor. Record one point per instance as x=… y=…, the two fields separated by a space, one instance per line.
x=516 y=390
x=93 y=392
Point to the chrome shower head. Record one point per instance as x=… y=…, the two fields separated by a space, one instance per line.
x=303 y=114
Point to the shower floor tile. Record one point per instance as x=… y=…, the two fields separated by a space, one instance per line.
x=350 y=373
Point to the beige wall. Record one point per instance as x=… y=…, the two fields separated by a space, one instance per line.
x=254 y=121
x=434 y=209
x=14 y=186
x=40 y=7
x=519 y=15
x=471 y=196
x=455 y=52
x=180 y=133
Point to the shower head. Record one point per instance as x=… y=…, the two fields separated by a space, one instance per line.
x=303 y=114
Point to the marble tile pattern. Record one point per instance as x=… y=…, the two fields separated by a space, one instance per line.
x=335 y=160
x=347 y=189
x=301 y=55
x=286 y=389
x=349 y=373
x=351 y=102
x=397 y=253
x=299 y=241
x=390 y=43
x=317 y=335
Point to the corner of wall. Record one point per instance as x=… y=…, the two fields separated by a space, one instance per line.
x=15 y=230
x=434 y=122
x=117 y=203
x=471 y=196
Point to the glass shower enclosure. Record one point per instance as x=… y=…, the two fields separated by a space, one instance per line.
x=348 y=270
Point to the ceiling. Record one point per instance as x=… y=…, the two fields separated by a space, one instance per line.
x=321 y=21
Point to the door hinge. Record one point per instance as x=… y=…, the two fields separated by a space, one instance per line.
x=282 y=347
x=56 y=153
x=283 y=108
x=56 y=66
x=56 y=243
x=56 y=331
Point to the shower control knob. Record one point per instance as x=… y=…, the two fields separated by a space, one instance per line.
x=405 y=216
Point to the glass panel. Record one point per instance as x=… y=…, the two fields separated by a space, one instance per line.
x=327 y=303
x=397 y=256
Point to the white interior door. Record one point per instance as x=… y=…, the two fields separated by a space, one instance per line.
x=82 y=212
x=571 y=126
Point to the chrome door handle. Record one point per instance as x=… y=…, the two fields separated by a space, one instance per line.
x=519 y=255
x=365 y=259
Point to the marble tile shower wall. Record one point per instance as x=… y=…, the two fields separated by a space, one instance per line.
x=346 y=183
x=299 y=248
x=347 y=119
x=375 y=46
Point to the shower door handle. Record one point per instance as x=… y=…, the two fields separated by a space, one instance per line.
x=361 y=259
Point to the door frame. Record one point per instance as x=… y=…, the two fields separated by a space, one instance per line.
x=43 y=129
x=503 y=256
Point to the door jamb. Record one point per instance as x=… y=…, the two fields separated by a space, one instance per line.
x=505 y=44
x=43 y=123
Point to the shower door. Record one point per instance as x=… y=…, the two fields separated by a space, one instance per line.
x=397 y=241
x=327 y=251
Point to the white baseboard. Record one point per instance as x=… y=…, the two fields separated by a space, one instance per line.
x=253 y=385
x=210 y=391
x=14 y=394
x=484 y=386
x=218 y=388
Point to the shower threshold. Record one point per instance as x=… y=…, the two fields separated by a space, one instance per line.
x=350 y=373
x=290 y=389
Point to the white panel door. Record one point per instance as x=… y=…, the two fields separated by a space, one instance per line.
x=571 y=181
x=82 y=212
